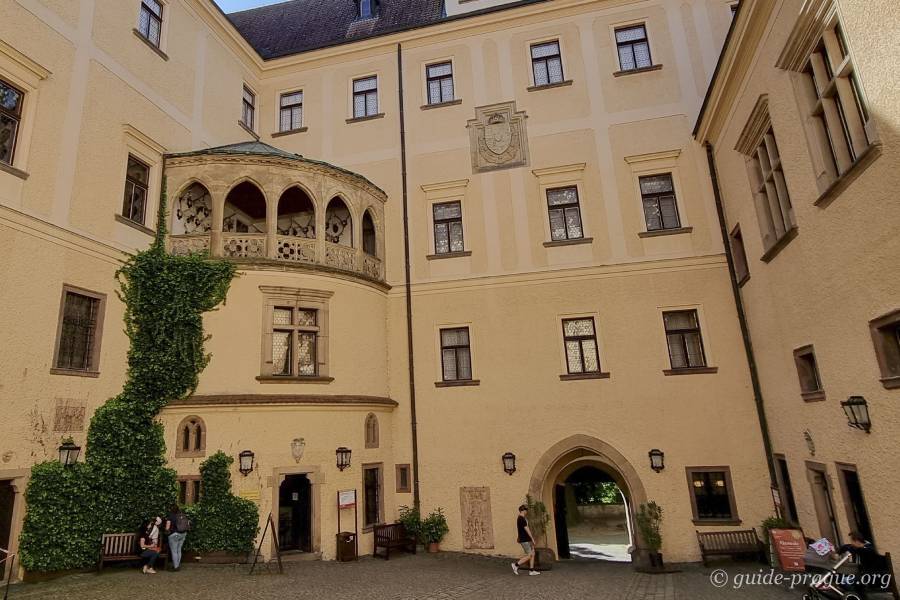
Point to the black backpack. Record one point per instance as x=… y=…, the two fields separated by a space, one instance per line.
x=181 y=523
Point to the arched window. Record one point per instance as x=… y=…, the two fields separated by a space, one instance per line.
x=192 y=211
x=371 y=431
x=338 y=223
x=369 y=240
x=191 y=440
x=245 y=210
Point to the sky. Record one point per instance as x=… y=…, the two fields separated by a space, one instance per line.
x=235 y=5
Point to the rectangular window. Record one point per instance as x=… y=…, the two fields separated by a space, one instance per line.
x=808 y=372
x=633 y=48
x=741 y=268
x=150 y=21
x=456 y=354
x=372 y=487
x=10 y=117
x=580 y=338
x=294 y=341
x=660 y=206
x=684 y=339
x=291 y=111
x=773 y=203
x=565 y=214
x=365 y=97
x=137 y=178
x=546 y=63
x=79 y=331
x=711 y=493
x=886 y=337
x=448 y=227
x=248 y=113
x=188 y=490
x=440 y=82
x=404 y=479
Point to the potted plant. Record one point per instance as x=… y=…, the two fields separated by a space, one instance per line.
x=411 y=521
x=432 y=530
x=649 y=519
x=538 y=519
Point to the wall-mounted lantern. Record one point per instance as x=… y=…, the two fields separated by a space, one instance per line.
x=298 y=445
x=245 y=462
x=343 y=457
x=68 y=453
x=857 y=410
x=657 y=459
x=509 y=463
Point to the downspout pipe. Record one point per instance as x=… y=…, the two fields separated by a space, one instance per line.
x=742 y=318
x=408 y=286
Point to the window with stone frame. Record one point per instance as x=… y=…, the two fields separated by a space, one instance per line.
x=886 y=337
x=365 y=97
x=290 y=116
x=660 y=204
x=373 y=499
x=546 y=63
x=137 y=182
x=712 y=494
x=580 y=339
x=439 y=81
x=248 y=108
x=79 y=332
x=11 y=99
x=808 y=373
x=150 y=21
x=295 y=335
x=684 y=339
x=188 y=490
x=770 y=192
x=633 y=48
x=404 y=479
x=448 y=227
x=456 y=354
x=372 y=433
x=190 y=437
x=564 y=212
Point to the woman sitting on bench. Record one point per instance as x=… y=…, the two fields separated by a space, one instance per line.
x=149 y=543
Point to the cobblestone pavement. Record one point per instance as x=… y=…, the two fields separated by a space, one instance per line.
x=445 y=576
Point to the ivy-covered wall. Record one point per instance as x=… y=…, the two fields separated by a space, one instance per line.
x=124 y=480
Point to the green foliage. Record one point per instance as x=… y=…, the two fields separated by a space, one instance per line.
x=649 y=519
x=774 y=523
x=433 y=527
x=599 y=492
x=124 y=480
x=538 y=518
x=221 y=521
x=411 y=520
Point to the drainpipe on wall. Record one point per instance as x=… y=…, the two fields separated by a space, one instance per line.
x=745 y=331
x=407 y=281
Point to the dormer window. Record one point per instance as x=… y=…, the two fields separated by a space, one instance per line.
x=368 y=8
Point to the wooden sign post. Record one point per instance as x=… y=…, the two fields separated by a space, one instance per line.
x=790 y=548
x=270 y=524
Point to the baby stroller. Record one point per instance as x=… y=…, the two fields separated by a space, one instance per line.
x=834 y=585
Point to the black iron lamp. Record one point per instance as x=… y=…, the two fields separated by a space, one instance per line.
x=509 y=463
x=68 y=453
x=657 y=459
x=343 y=457
x=245 y=462
x=857 y=410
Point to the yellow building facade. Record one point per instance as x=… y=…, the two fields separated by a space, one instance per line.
x=486 y=232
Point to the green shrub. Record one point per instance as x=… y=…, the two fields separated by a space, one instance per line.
x=124 y=480
x=221 y=521
x=538 y=518
x=649 y=519
x=434 y=527
x=411 y=520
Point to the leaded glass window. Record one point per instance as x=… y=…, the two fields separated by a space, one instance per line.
x=150 y=21
x=684 y=339
x=580 y=339
x=633 y=48
x=440 y=82
x=80 y=322
x=365 y=97
x=448 y=228
x=248 y=111
x=291 y=115
x=660 y=207
x=10 y=116
x=137 y=177
x=294 y=340
x=456 y=354
x=565 y=214
x=546 y=63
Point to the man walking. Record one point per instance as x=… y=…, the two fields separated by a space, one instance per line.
x=526 y=540
x=178 y=525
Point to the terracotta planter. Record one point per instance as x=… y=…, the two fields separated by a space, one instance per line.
x=433 y=547
x=544 y=559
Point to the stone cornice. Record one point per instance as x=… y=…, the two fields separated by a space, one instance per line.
x=811 y=23
x=756 y=127
x=283 y=400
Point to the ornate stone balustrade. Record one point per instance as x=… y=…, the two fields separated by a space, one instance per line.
x=296 y=249
x=244 y=245
x=181 y=245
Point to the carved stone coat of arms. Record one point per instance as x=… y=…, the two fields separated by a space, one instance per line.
x=498 y=137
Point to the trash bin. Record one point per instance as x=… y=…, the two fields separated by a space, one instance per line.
x=346 y=546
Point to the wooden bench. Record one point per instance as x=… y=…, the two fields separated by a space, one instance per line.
x=120 y=547
x=730 y=543
x=390 y=537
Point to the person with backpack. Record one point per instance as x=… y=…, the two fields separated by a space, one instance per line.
x=178 y=525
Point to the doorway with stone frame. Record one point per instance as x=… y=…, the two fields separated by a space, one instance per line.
x=296 y=510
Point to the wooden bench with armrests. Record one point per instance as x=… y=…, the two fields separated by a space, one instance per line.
x=744 y=542
x=121 y=547
x=392 y=536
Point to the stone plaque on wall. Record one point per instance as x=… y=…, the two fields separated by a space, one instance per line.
x=69 y=416
x=478 y=528
x=498 y=138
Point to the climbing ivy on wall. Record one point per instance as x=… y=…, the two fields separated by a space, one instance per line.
x=124 y=480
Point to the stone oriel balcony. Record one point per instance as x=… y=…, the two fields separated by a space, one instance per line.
x=264 y=207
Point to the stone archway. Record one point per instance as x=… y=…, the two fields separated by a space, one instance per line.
x=580 y=450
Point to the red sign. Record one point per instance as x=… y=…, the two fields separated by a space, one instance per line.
x=790 y=548
x=346 y=498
